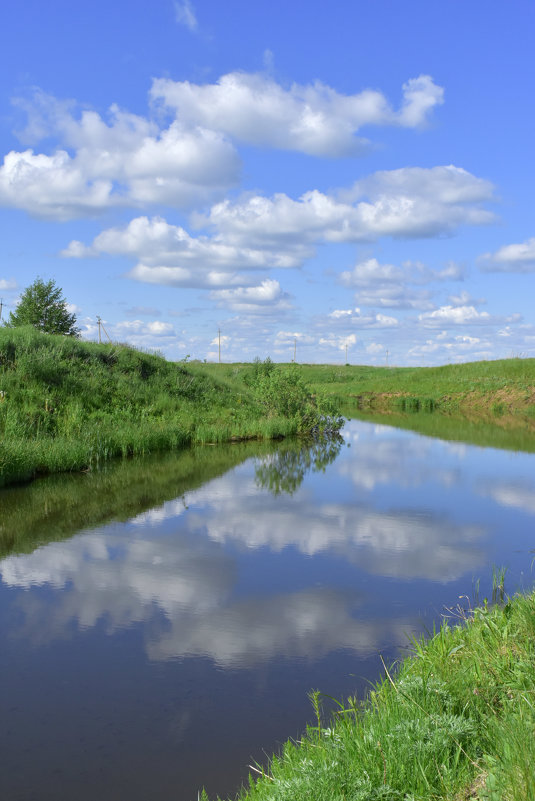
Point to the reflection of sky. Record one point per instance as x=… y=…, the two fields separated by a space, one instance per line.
x=395 y=506
x=182 y=590
x=518 y=495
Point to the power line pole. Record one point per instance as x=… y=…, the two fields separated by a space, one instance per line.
x=346 y=352
x=387 y=357
x=101 y=325
x=1 y=306
x=295 y=347
x=219 y=339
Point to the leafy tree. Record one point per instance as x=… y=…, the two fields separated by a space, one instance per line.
x=42 y=305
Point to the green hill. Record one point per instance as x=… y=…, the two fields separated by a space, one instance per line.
x=66 y=404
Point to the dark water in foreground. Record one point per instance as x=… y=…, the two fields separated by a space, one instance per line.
x=162 y=621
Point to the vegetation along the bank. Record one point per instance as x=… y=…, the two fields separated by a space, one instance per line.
x=455 y=720
x=66 y=404
x=497 y=389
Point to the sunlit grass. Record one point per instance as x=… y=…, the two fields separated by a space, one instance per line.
x=66 y=404
x=501 y=391
x=453 y=721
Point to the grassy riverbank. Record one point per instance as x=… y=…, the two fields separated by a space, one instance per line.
x=491 y=388
x=66 y=404
x=494 y=389
x=454 y=721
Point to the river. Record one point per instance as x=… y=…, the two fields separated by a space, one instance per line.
x=163 y=619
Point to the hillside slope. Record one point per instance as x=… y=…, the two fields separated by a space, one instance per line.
x=66 y=404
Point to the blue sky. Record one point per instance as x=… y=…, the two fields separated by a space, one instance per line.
x=313 y=175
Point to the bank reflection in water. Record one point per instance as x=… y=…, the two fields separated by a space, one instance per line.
x=140 y=601
x=174 y=568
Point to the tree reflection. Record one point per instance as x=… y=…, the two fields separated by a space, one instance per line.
x=284 y=470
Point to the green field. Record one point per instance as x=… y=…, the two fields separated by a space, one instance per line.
x=454 y=721
x=498 y=387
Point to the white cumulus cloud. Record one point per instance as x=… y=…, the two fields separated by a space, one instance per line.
x=457 y=348
x=455 y=315
x=168 y=254
x=516 y=258
x=389 y=286
x=155 y=328
x=356 y=318
x=265 y=297
x=289 y=337
x=262 y=233
x=405 y=203
x=374 y=348
x=465 y=299
x=53 y=187
x=338 y=342
x=313 y=119
x=124 y=160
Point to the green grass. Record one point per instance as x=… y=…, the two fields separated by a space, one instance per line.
x=66 y=404
x=455 y=720
x=432 y=382
x=500 y=390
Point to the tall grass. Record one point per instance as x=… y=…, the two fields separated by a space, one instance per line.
x=66 y=404
x=480 y=377
x=503 y=388
x=455 y=720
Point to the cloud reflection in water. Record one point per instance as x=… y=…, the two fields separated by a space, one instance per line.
x=175 y=568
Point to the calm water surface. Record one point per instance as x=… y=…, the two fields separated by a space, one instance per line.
x=162 y=621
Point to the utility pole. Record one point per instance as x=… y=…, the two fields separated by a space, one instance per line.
x=295 y=347
x=387 y=357
x=1 y=306
x=346 y=352
x=101 y=326
x=219 y=339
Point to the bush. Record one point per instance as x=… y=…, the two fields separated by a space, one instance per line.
x=284 y=393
